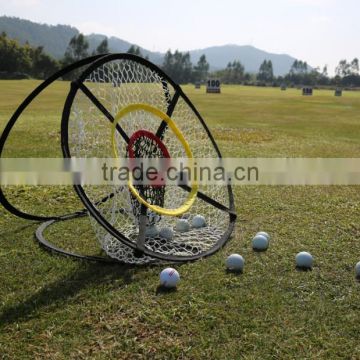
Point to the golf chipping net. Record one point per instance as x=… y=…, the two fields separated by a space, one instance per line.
x=124 y=106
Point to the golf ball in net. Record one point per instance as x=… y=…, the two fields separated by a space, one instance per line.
x=166 y=233
x=182 y=225
x=151 y=231
x=198 y=221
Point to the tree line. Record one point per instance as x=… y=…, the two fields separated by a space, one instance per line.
x=18 y=61
x=22 y=61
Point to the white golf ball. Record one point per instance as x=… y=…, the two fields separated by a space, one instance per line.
x=260 y=242
x=198 y=221
x=357 y=270
x=166 y=233
x=182 y=225
x=151 y=231
x=304 y=260
x=169 y=278
x=263 y=233
x=235 y=262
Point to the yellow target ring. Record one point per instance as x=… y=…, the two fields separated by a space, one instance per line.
x=194 y=189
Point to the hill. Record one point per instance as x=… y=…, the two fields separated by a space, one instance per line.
x=119 y=45
x=55 y=38
x=249 y=56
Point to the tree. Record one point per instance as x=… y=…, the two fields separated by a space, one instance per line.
x=76 y=50
x=299 y=74
x=343 y=69
x=201 y=70
x=266 y=73
x=178 y=66
x=237 y=72
x=347 y=73
x=234 y=73
x=17 y=60
x=299 y=67
x=103 y=48
x=43 y=65
x=325 y=71
x=323 y=78
x=168 y=61
x=354 y=66
x=13 y=56
x=135 y=50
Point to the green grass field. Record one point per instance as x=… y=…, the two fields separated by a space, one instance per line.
x=56 y=308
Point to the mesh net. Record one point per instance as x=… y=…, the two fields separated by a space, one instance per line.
x=117 y=84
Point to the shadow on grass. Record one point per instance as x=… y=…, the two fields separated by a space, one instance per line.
x=65 y=288
x=303 y=269
x=234 y=272
x=162 y=290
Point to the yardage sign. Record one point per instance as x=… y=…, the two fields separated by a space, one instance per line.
x=213 y=86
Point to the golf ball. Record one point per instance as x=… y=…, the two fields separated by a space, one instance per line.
x=151 y=231
x=235 y=262
x=166 y=233
x=169 y=278
x=198 y=221
x=260 y=242
x=304 y=260
x=182 y=225
x=263 y=233
x=357 y=270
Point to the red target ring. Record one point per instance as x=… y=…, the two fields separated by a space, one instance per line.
x=137 y=140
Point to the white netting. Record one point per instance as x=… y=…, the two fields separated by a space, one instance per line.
x=117 y=84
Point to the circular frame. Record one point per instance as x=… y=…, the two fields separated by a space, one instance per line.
x=230 y=210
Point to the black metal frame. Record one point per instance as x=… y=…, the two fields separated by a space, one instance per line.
x=78 y=84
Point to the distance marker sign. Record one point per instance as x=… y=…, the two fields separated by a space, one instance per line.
x=213 y=86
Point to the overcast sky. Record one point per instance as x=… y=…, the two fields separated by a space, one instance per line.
x=318 y=31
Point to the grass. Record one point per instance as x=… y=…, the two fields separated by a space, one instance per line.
x=56 y=308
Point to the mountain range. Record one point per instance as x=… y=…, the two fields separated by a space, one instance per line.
x=55 y=38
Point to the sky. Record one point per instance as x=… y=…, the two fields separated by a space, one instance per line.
x=321 y=32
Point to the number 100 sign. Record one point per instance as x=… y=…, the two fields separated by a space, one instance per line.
x=213 y=86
